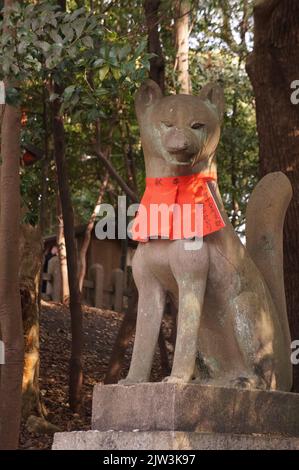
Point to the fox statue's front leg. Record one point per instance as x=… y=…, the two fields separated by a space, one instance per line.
x=190 y=269
x=151 y=305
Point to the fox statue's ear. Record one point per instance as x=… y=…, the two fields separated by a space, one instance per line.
x=147 y=95
x=213 y=93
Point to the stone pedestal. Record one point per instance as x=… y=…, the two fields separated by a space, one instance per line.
x=168 y=440
x=161 y=416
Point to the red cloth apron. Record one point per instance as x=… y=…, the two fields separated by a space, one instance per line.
x=182 y=221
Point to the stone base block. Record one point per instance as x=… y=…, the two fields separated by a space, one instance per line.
x=194 y=408
x=168 y=440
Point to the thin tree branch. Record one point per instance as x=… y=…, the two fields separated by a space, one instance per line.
x=114 y=174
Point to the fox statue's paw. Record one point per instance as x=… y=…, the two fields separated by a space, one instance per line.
x=131 y=381
x=250 y=382
x=172 y=379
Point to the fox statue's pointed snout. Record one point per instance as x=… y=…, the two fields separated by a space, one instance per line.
x=176 y=141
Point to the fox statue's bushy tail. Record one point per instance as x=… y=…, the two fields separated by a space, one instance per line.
x=264 y=236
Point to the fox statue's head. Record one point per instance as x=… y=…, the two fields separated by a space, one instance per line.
x=179 y=133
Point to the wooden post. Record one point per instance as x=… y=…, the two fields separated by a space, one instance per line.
x=96 y=274
x=54 y=286
x=118 y=289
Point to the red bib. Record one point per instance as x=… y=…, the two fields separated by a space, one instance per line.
x=170 y=209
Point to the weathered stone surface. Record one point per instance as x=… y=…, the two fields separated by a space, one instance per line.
x=168 y=440
x=193 y=407
x=232 y=312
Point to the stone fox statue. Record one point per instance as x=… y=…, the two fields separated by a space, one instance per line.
x=232 y=327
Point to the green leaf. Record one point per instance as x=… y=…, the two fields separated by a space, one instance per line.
x=98 y=62
x=12 y=96
x=52 y=61
x=76 y=13
x=72 y=52
x=124 y=51
x=56 y=37
x=88 y=42
x=69 y=91
x=34 y=24
x=77 y=115
x=15 y=69
x=103 y=72
x=116 y=73
x=88 y=100
x=67 y=31
x=53 y=22
x=45 y=46
x=79 y=26
x=102 y=114
x=6 y=62
x=140 y=48
x=22 y=47
x=53 y=97
x=101 y=92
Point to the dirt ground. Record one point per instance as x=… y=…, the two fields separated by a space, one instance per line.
x=100 y=330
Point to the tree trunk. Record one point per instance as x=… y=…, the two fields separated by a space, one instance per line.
x=182 y=44
x=76 y=372
x=157 y=65
x=10 y=304
x=43 y=215
x=88 y=232
x=123 y=338
x=272 y=67
x=233 y=168
x=164 y=361
x=65 y=292
x=30 y=269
